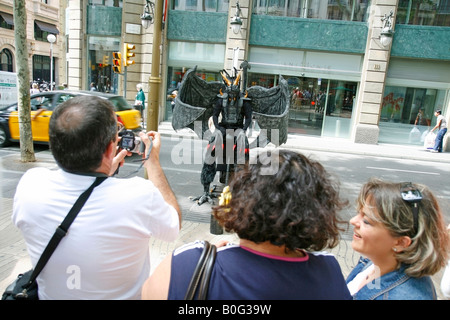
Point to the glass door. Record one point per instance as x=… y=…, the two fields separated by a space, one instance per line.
x=340 y=99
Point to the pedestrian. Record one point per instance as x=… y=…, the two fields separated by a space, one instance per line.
x=139 y=101
x=34 y=88
x=284 y=208
x=173 y=98
x=105 y=254
x=441 y=125
x=400 y=230
x=93 y=87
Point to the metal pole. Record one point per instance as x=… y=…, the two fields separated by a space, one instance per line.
x=125 y=82
x=155 y=80
x=51 y=66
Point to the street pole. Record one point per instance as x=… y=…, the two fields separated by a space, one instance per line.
x=125 y=82
x=51 y=66
x=155 y=80
x=51 y=38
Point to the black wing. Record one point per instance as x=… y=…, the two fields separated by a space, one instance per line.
x=195 y=103
x=271 y=110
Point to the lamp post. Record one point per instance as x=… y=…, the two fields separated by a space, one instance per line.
x=155 y=80
x=51 y=38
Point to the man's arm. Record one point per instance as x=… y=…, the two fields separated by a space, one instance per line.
x=155 y=172
x=438 y=124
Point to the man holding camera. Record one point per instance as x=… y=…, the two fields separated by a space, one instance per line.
x=105 y=254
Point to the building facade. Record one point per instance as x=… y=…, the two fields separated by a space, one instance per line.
x=43 y=18
x=345 y=82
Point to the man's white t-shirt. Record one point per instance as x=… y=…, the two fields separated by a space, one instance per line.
x=105 y=254
x=443 y=123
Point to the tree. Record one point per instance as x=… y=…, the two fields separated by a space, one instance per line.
x=23 y=79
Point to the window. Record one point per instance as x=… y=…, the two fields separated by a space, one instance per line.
x=43 y=29
x=6 y=61
x=6 y=21
x=400 y=109
x=100 y=59
x=63 y=98
x=321 y=107
x=349 y=10
x=424 y=12
x=41 y=68
x=202 y=5
x=106 y=3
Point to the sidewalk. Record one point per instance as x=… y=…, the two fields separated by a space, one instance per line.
x=14 y=257
x=337 y=145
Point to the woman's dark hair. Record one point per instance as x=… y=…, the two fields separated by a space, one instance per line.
x=296 y=206
x=80 y=130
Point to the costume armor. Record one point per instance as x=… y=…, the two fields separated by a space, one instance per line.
x=199 y=100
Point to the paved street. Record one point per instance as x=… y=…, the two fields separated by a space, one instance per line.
x=352 y=163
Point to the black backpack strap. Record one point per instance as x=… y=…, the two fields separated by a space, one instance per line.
x=61 y=231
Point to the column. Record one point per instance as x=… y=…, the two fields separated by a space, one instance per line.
x=239 y=40
x=75 y=44
x=373 y=75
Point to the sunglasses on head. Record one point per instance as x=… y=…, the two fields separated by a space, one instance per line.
x=413 y=196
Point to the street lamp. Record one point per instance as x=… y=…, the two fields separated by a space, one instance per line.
x=51 y=38
x=236 y=21
x=386 y=33
x=148 y=15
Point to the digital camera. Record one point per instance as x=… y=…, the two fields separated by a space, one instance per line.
x=130 y=142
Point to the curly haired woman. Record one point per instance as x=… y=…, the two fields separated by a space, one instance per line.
x=282 y=220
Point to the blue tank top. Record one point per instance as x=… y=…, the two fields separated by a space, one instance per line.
x=242 y=274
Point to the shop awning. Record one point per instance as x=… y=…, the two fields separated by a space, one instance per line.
x=44 y=26
x=8 y=18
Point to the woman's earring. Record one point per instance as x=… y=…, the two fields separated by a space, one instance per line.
x=395 y=249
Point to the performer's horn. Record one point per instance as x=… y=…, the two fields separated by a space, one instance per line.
x=227 y=81
x=236 y=82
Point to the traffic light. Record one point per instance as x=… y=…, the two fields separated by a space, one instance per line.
x=117 y=62
x=127 y=47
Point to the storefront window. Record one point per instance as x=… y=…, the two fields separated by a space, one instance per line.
x=175 y=75
x=101 y=76
x=201 y=5
x=106 y=3
x=349 y=10
x=319 y=107
x=408 y=113
x=425 y=13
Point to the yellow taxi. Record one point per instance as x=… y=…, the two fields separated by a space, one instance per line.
x=42 y=106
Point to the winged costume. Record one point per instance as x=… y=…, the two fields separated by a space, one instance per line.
x=199 y=100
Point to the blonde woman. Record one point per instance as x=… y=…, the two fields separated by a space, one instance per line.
x=400 y=230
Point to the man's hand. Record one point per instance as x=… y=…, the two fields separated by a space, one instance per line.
x=118 y=161
x=155 y=144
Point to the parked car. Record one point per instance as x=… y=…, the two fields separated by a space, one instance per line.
x=46 y=102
